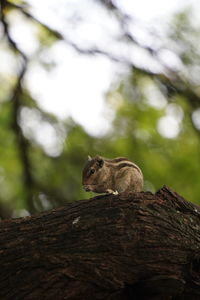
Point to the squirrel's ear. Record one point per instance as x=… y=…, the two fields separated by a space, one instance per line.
x=100 y=162
x=89 y=158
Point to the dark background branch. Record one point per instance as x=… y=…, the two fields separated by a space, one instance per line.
x=16 y=98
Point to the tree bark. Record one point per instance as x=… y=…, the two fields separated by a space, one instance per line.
x=139 y=246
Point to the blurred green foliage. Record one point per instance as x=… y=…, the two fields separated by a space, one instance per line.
x=141 y=102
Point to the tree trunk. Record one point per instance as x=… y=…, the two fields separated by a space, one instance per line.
x=141 y=246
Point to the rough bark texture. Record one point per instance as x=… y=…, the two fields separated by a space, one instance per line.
x=141 y=246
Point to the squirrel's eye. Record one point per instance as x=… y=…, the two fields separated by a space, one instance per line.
x=92 y=171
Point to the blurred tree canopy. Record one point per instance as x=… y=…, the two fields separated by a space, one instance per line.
x=154 y=100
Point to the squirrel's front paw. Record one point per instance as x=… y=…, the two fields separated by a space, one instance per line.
x=109 y=191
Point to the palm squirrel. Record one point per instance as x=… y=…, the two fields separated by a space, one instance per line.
x=118 y=175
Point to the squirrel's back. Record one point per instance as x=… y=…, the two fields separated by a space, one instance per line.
x=121 y=162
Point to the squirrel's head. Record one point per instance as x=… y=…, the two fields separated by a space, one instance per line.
x=92 y=173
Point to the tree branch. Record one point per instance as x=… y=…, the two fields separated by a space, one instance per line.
x=141 y=246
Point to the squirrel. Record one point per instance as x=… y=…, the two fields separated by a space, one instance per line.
x=113 y=176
